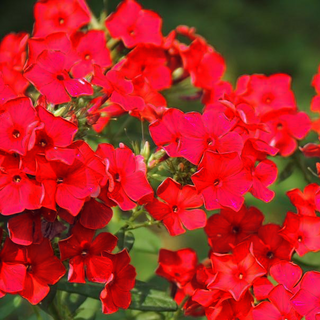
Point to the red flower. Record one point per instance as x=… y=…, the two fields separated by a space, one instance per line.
x=118 y=89
x=307 y=300
x=236 y=272
x=133 y=25
x=43 y=268
x=116 y=293
x=166 y=132
x=12 y=270
x=49 y=74
x=267 y=94
x=177 y=266
x=151 y=63
x=306 y=202
x=68 y=186
x=127 y=176
x=209 y=131
x=85 y=254
x=279 y=307
x=269 y=247
x=90 y=54
x=59 y=15
x=222 y=181
x=205 y=65
x=303 y=232
x=175 y=211
x=18 y=124
x=229 y=228
x=18 y=191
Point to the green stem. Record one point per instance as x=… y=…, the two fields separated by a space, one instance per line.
x=37 y=313
x=54 y=312
x=179 y=312
x=303 y=168
x=144 y=225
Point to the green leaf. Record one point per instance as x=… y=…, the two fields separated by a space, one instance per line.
x=125 y=239
x=287 y=171
x=144 y=296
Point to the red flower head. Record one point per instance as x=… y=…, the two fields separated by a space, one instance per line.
x=151 y=63
x=306 y=202
x=303 y=232
x=236 y=272
x=127 y=182
x=177 y=266
x=12 y=269
x=17 y=190
x=133 y=25
x=267 y=94
x=43 y=269
x=18 y=123
x=90 y=54
x=269 y=247
x=222 y=181
x=49 y=74
x=85 y=254
x=175 y=211
x=59 y=15
x=116 y=293
x=166 y=132
x=209 y=131
x=307 y=300
x=229 y=228
x=280 y=306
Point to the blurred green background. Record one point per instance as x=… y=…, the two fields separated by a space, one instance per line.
x=265 y=36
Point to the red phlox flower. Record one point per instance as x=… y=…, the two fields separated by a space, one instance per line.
x=229 y=228
x=311 y=150
x=279 y=307
x=90 y=54
x=286 y=273
x=17 y=190
x=12 y=59
x=155 y=103
x=175 y=210
x=68 y=186
x=127 y=182
x=166 y=132
x=232 y=309
x=50 y=75
x=307 y=300
x=178 y=267
x=118 y=88
x=216 y=93
x=209 y=131
x=303 y=232
x=12 y=269
x=306 y=202
x=269 y=247
x=58 y=41
x=149 y=61
x=43 y=269
x=262 y=287
x=51 y=141
x=236 y=272
x=134 y=25
x=116 y=293
x=263 y=175
x=222 y=181
x=205 y=65
x=283 y=131
x=267 y=94
x=18 y=123
x=85 y=255
x=59 y=16
x=6 y=93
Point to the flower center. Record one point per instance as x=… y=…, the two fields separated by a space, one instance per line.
x=60 y=77
x=16 y=134
x=43 y=143
x=216 y=182
x=16 y=179
x=235 y=229
x=174 y=208
x=29 y=268
x=59 y=180
x=117 y=177
x=61 y=21
x=299 y=239
x=240 y=276
x=87 y=57
x=270 y=255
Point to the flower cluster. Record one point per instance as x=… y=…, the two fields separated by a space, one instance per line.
x=74 y=74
